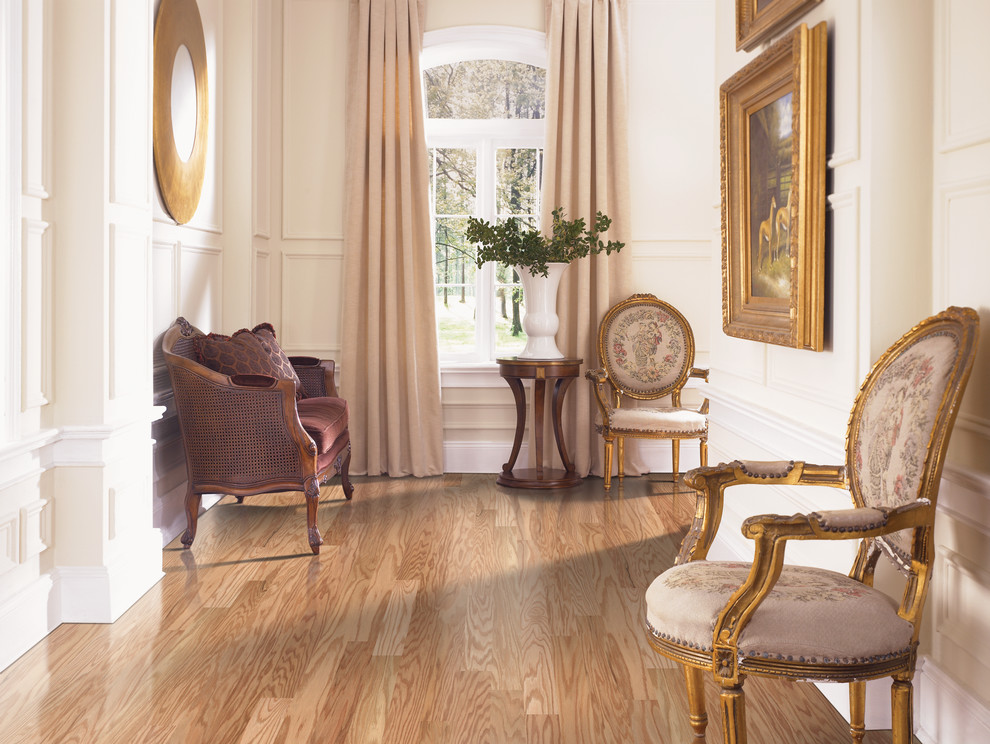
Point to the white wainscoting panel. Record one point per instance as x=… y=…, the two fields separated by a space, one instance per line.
x=314 y=49
x=36 y=313
x=964 y=116
x=308 y=325
x=130 y=105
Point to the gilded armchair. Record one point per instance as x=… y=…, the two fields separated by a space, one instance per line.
x=772 y=619
x=253 y=420
x=646 y=352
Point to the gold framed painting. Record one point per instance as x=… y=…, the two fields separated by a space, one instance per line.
x=756 y=20
x=773 y=122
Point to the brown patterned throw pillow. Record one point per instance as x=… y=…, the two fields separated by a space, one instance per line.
x=254 y=352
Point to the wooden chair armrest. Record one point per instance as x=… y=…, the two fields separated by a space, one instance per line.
x=598 y=379
x=699 y=373
x=711 y=481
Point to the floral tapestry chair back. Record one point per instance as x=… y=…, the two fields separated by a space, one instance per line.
x=646 y=352
x=899 y=425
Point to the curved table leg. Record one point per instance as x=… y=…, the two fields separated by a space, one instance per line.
x=559 y=389
x=519 y=393
x=539 y=405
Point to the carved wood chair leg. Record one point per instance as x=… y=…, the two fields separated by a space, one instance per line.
x=193 y=501
x=733 y=713
x=240 y=499
x=607 y=465
x=696 y=699
x=312 y=505
x=675 y=445
x=345 y=481
x=704 y=452
x=902 y=715
x=857 y=710
x=620 y=454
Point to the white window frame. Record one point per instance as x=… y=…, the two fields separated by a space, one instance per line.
x=460 y=44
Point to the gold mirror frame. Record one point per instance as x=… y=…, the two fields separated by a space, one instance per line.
x=180 y=181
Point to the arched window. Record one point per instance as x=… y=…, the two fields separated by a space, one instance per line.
x=485 y=90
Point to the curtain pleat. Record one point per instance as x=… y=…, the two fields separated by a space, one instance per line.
x=390 y=372
x=586 y=170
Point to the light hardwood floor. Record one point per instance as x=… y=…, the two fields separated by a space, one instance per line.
x=440 y=610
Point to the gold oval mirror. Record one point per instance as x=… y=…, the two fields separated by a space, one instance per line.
x=178 y=34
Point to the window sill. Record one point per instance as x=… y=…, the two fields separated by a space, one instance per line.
x=470 y=375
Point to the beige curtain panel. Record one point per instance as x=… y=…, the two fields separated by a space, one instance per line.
x=390 y=373
x=586 y=170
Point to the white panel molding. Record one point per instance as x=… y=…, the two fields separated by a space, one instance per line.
x=37 y=98
x=479 y=457
x=26 y=618
x=307 y=346
x=847 y=50
x=952 y=136
x=767 y=430
x=165 y=289
x=9 y=549
x=942 y=254
x=482 y=416
x=962 y=590
x=130 y=85
x=95 y=446
x=945 y=711
x=127 y=264
x=701 y=246
x=36 y=528
x=291 y=80
x=964 y=495
x=262 y=98
x=37 y=301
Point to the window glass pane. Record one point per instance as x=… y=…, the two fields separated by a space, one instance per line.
x=455 y=270
x=519 y=174
x=510 y=338
x=453 y=180
x=485 y=89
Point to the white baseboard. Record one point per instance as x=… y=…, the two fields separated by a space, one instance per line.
x=26 y=618
x=945 y=712
x=101 y=594
x=480 y=457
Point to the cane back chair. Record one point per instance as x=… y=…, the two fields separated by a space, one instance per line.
x=776 y=620
x=646 y=352
x=246 y=433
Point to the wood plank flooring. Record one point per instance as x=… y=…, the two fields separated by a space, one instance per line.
x=441 y=610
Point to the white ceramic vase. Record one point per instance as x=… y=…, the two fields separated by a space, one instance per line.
x=541 y=322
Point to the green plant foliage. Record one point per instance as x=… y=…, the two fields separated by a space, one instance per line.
x=509 y=243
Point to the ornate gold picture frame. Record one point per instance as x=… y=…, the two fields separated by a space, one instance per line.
x=756 y=20
x=773 y=122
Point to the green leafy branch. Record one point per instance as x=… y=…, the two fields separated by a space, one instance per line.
x=509 y=243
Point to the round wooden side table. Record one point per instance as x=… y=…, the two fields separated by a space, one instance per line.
x=562 y=372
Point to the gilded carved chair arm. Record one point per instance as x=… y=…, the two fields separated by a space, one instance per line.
x=710 y=482
x=699 y=372
x=770 y=532
x=599 y=379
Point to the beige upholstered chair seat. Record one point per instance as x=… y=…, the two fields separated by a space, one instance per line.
x=812 y=615
x=667 y=420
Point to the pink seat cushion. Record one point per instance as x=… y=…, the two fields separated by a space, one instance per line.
x=324 y=419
